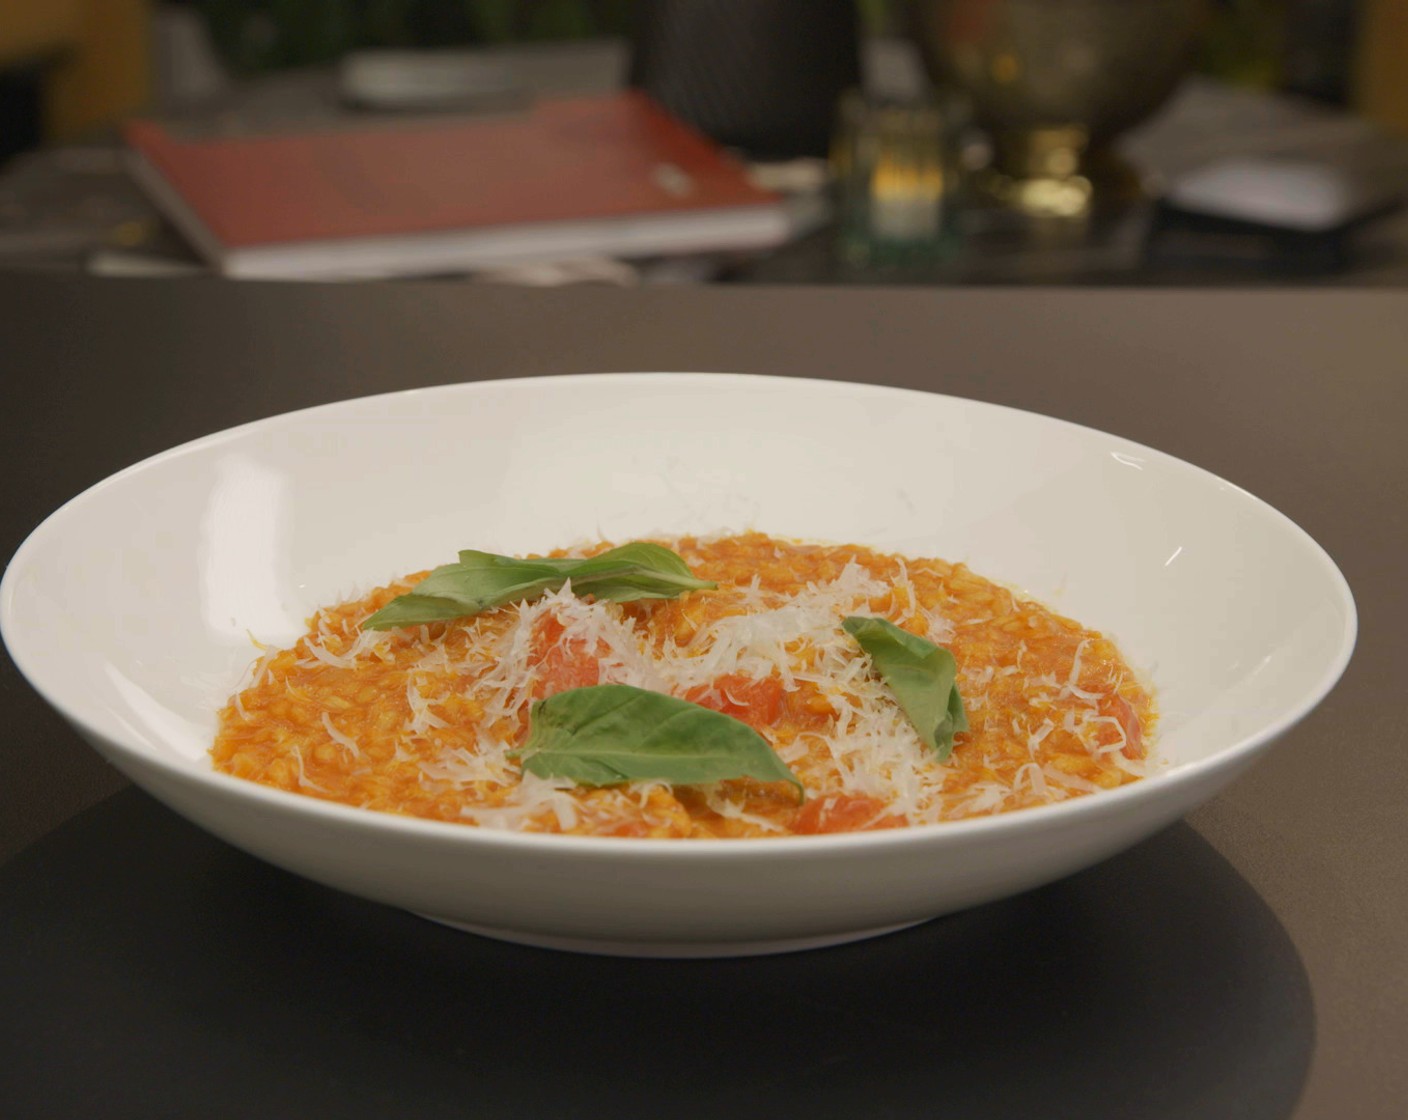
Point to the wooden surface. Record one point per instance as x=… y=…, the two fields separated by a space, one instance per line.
x=1247 y=963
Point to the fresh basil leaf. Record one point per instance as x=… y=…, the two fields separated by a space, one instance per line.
x=922 y=676
x=606 y=734
x=640 y=570
x=481 y=581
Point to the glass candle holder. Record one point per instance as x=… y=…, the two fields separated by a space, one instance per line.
x=896 y=172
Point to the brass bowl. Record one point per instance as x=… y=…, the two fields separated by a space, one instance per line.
x=1053 y=81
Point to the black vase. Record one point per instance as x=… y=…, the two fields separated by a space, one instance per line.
x=762 y=76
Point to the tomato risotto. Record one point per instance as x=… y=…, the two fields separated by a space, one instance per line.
x=436 y=719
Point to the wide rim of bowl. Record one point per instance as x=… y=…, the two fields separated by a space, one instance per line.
x=1106 y=802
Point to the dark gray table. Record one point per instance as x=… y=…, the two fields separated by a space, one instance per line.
x=1249 y=962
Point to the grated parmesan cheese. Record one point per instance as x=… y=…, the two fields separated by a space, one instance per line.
x=453 y=700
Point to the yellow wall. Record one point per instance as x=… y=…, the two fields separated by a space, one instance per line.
x=1382 y=79
x=30 y=30
x=96 y=56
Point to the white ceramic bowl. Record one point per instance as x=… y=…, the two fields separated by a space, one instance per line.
x=130 y=610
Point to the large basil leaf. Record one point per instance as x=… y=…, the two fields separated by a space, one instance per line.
x=922 y=676
x=481 y=581
x=606 y=734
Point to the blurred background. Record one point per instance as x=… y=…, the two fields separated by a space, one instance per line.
x=905 y=141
